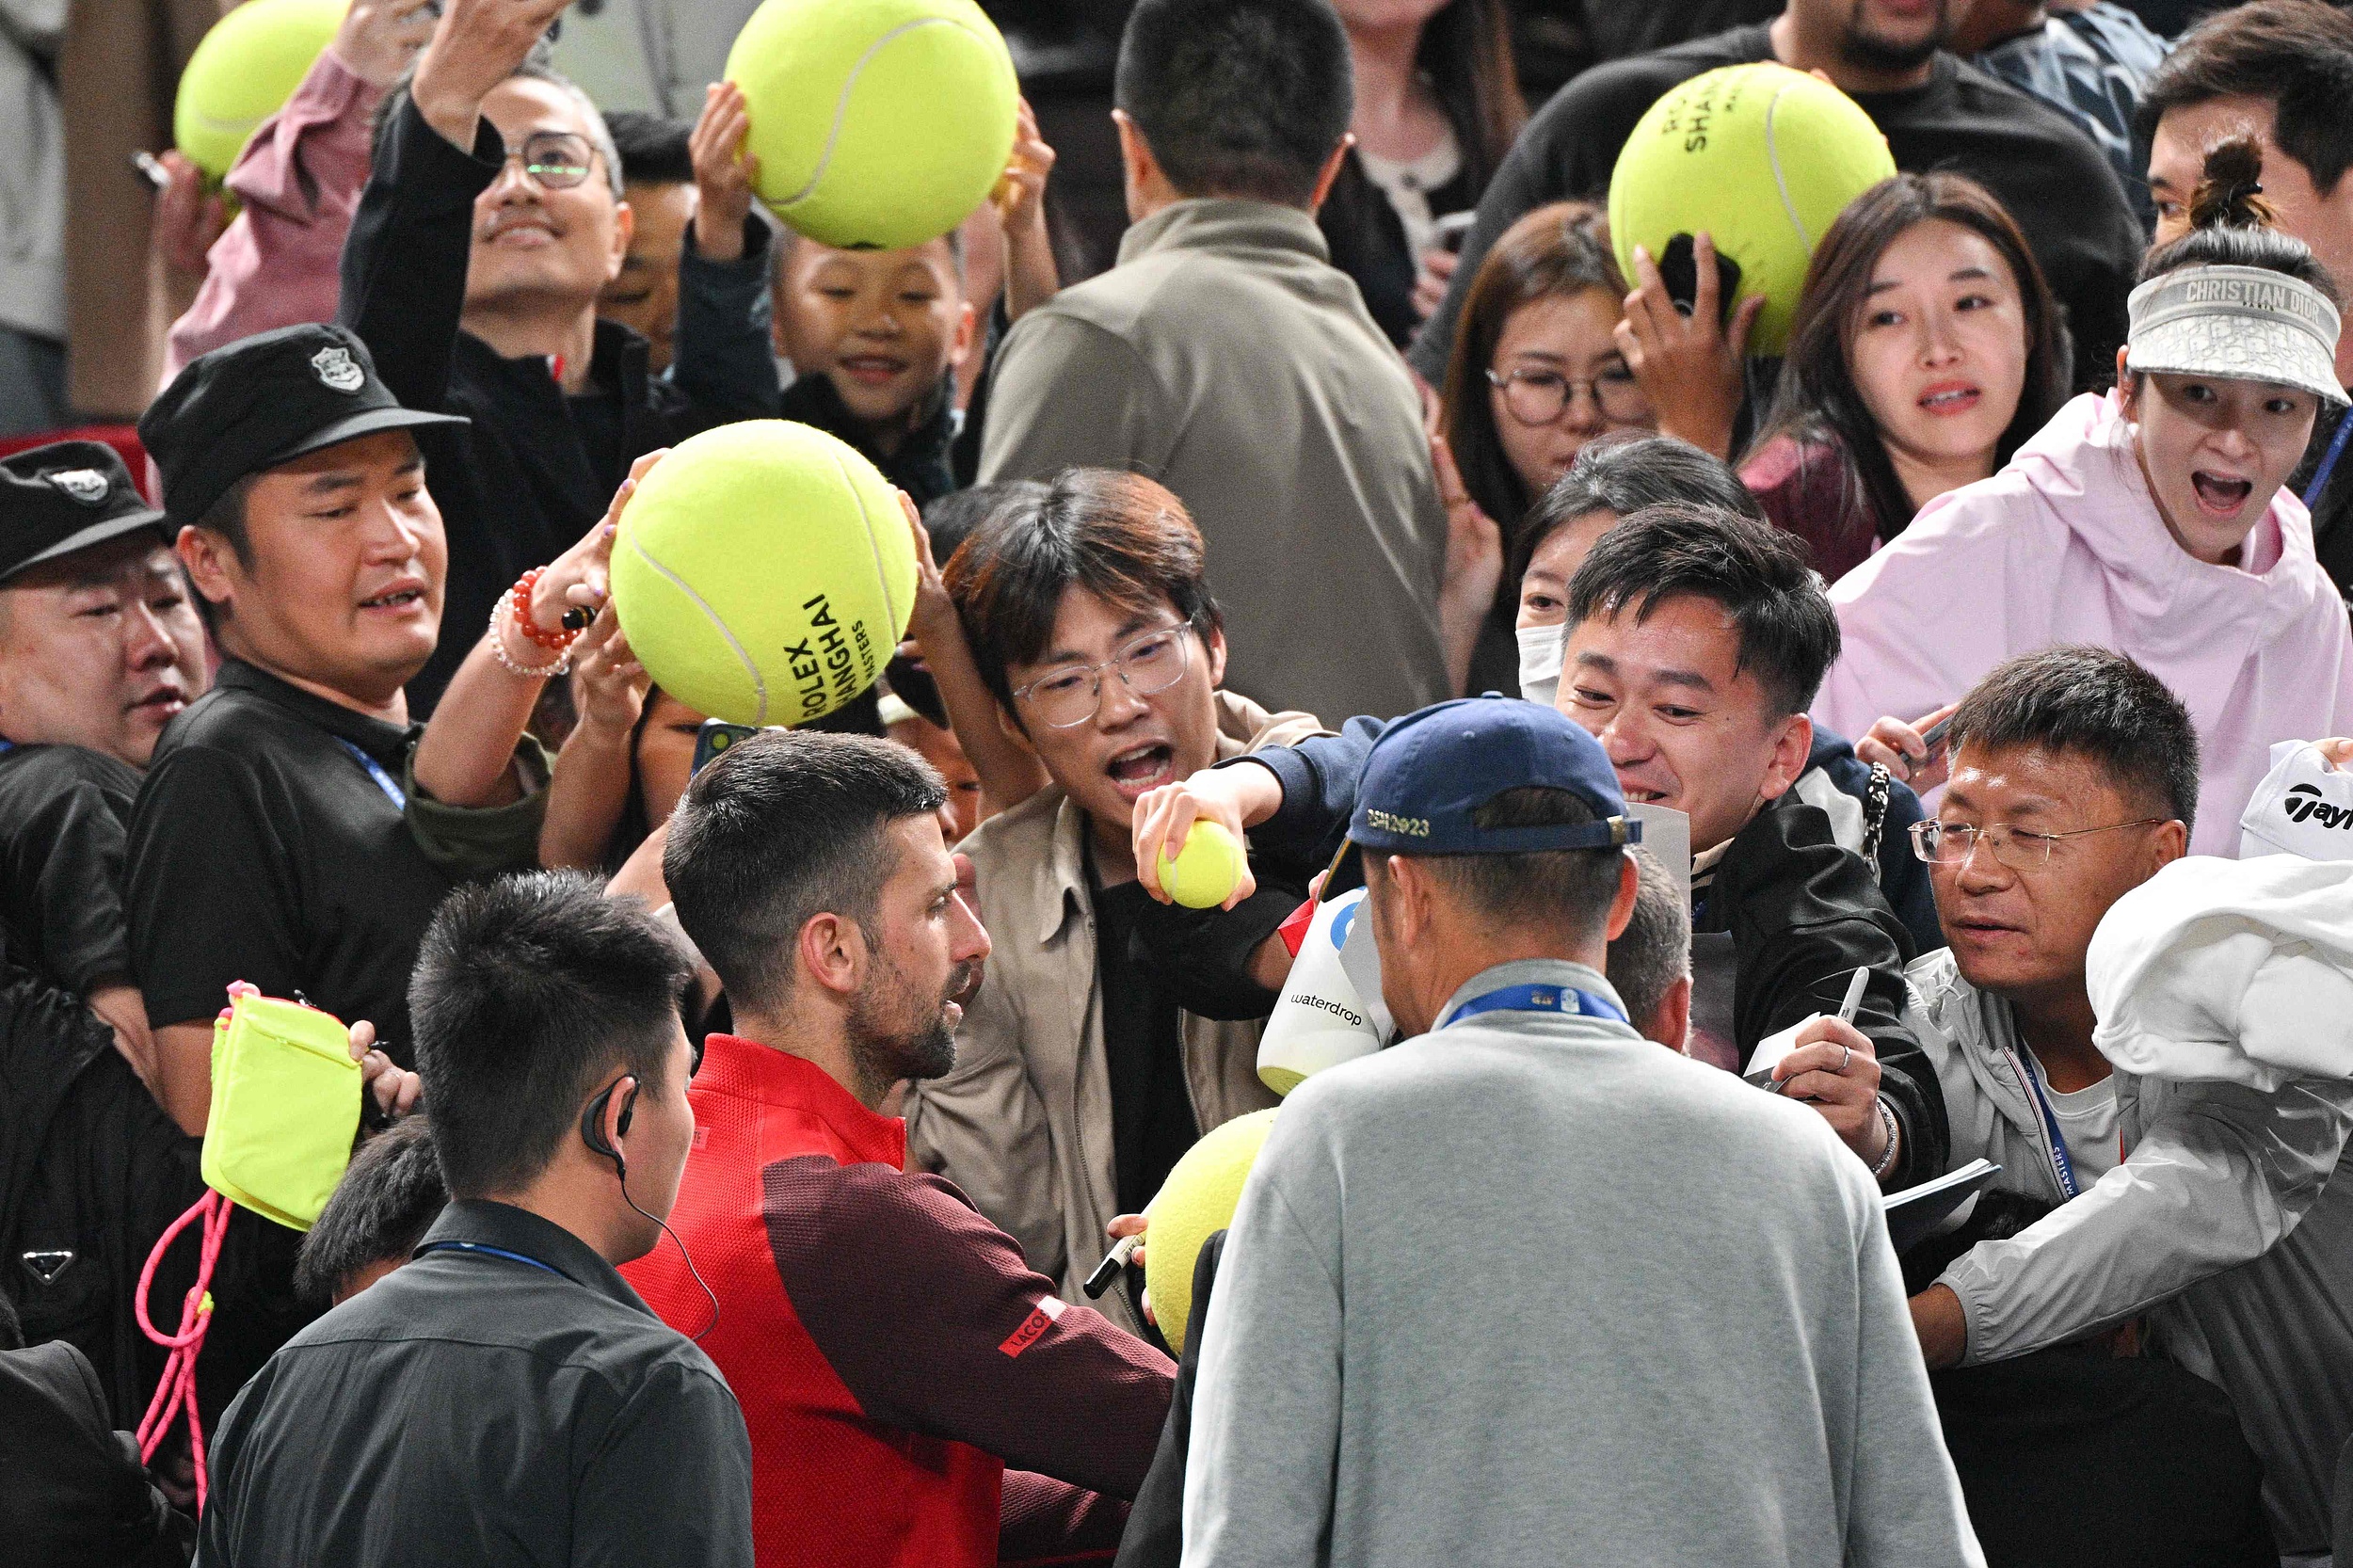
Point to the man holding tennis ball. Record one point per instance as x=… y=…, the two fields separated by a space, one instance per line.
x=1100 y=1028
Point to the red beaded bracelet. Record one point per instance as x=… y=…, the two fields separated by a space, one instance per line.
x=519 y=600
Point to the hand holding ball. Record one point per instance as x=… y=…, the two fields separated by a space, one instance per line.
x=1195 y=1202
x=1206 y=870
x=878 y=124
x=1760 y=156
x=763 y=572
x=243 y=72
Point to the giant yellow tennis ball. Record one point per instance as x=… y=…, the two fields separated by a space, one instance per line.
x=1205 y=870
x=878 y=123
x=763 y=572
x=1195 y=1203
x=243 y=72
x=1762 y=158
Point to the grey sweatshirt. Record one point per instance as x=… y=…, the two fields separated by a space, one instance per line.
x=1533 y=1288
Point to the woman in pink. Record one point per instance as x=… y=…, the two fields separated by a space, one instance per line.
x=2149 y=519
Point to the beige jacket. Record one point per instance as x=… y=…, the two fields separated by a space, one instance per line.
x=1023 y=1123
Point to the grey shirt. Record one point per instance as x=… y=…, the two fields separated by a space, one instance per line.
x=1227 y=359
x=1533 y=1288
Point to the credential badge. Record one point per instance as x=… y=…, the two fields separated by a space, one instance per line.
x=338 y=369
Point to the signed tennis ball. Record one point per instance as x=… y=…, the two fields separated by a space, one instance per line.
x=1195 y=1203
x=878 y=123
x=763 y=572
x=243 y=72
x=1206 y=869
x=1762 y=158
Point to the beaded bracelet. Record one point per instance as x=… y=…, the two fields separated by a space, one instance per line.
x=498 y=651
x=519 y=604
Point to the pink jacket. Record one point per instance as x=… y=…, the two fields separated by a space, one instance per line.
x=298 y=180
x=2065 y=545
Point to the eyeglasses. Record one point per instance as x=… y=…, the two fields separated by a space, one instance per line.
x=1071 y=695
x=1952 y=843
x=1540 y=397
x=557 y=159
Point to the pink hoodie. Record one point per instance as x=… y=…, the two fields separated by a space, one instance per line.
x=2065 y=545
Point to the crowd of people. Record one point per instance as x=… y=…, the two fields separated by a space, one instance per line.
x=1777 y=785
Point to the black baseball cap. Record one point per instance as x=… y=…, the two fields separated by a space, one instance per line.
x=263 y=401
x=67 y=496
x=1429 y=773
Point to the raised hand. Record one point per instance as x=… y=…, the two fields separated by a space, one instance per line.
x=1690 y=366
x=724 y=172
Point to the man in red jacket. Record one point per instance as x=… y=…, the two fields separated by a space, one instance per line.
x=892 y=1353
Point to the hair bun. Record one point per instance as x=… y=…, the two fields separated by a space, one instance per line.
x=2230 y=188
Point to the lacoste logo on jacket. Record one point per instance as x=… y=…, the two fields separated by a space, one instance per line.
x=2304 y=801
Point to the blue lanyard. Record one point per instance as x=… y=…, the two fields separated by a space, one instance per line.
x=384 y=781
x=2329 y=461
x=495 y=1252
x=2061 y=1166
x=1539 y=999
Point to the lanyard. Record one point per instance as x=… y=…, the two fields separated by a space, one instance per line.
x=2329 y=460
x=1539 y=999
x=2061 y=1166
x=384 y=781
x=495 y=1252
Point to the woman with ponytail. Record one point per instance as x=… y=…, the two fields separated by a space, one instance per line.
x=2151 y=518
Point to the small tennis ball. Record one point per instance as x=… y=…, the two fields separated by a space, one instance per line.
x=878 y=124
x=1764 y=158
x=1195 y=1203
x=243 y=72
x=763 y=572
x=1206 y=869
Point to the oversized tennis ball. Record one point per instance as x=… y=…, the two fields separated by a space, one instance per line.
x=1195 y=1203
x=878 y=123
x=243 y=72
x=1762 y=158
x=763 y=572
x=1205 y=870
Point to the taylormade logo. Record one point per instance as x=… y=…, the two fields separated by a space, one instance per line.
x=2304 y=802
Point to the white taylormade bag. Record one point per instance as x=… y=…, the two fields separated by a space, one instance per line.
x=1325 y=1017
x=2302 y=807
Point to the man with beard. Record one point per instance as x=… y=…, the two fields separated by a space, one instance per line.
x=1936 y=111
x=893 y=1354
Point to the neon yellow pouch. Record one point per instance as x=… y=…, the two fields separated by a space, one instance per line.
x=285 y=1107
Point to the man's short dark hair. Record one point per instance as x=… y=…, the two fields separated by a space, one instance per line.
x=782 y=828
x=654 y=149
x=953 y=517
x=1788 y=632
x=1237 y=98
x=1654 y=950
x=528 y=992
x=1624 y=471
x=2297 y=53
x=1121 y=537
x=2092 y=703
x=388 y=1199
x=1569 y=889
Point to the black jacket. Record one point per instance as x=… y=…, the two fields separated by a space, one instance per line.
x=1802 y=912
x=91 y=1173
x=920 y=465
x=536 y=467
x=76 y=1495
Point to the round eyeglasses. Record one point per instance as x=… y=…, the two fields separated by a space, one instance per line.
x=1068 y=696
x=557 y=159
x=1539 y=397
x=1952 y=843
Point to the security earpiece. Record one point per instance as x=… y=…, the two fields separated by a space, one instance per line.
x=592 y=1123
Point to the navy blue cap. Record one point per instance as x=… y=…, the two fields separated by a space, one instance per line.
x=1431 y=770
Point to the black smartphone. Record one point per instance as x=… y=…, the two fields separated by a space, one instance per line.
x=714 y=737
x=1679 y=269
x=1934 y=735
x=1763 y=1078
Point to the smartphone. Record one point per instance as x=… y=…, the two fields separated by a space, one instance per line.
x=1448 y=232
x=1763 y=1078
x=151 y=168
x=1934 y=734
x=714 y=737
x=1679 y=269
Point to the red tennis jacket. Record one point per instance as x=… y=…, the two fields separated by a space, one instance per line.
x=891 y=1351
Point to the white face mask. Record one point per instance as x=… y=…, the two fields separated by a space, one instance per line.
x=1540 y=662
